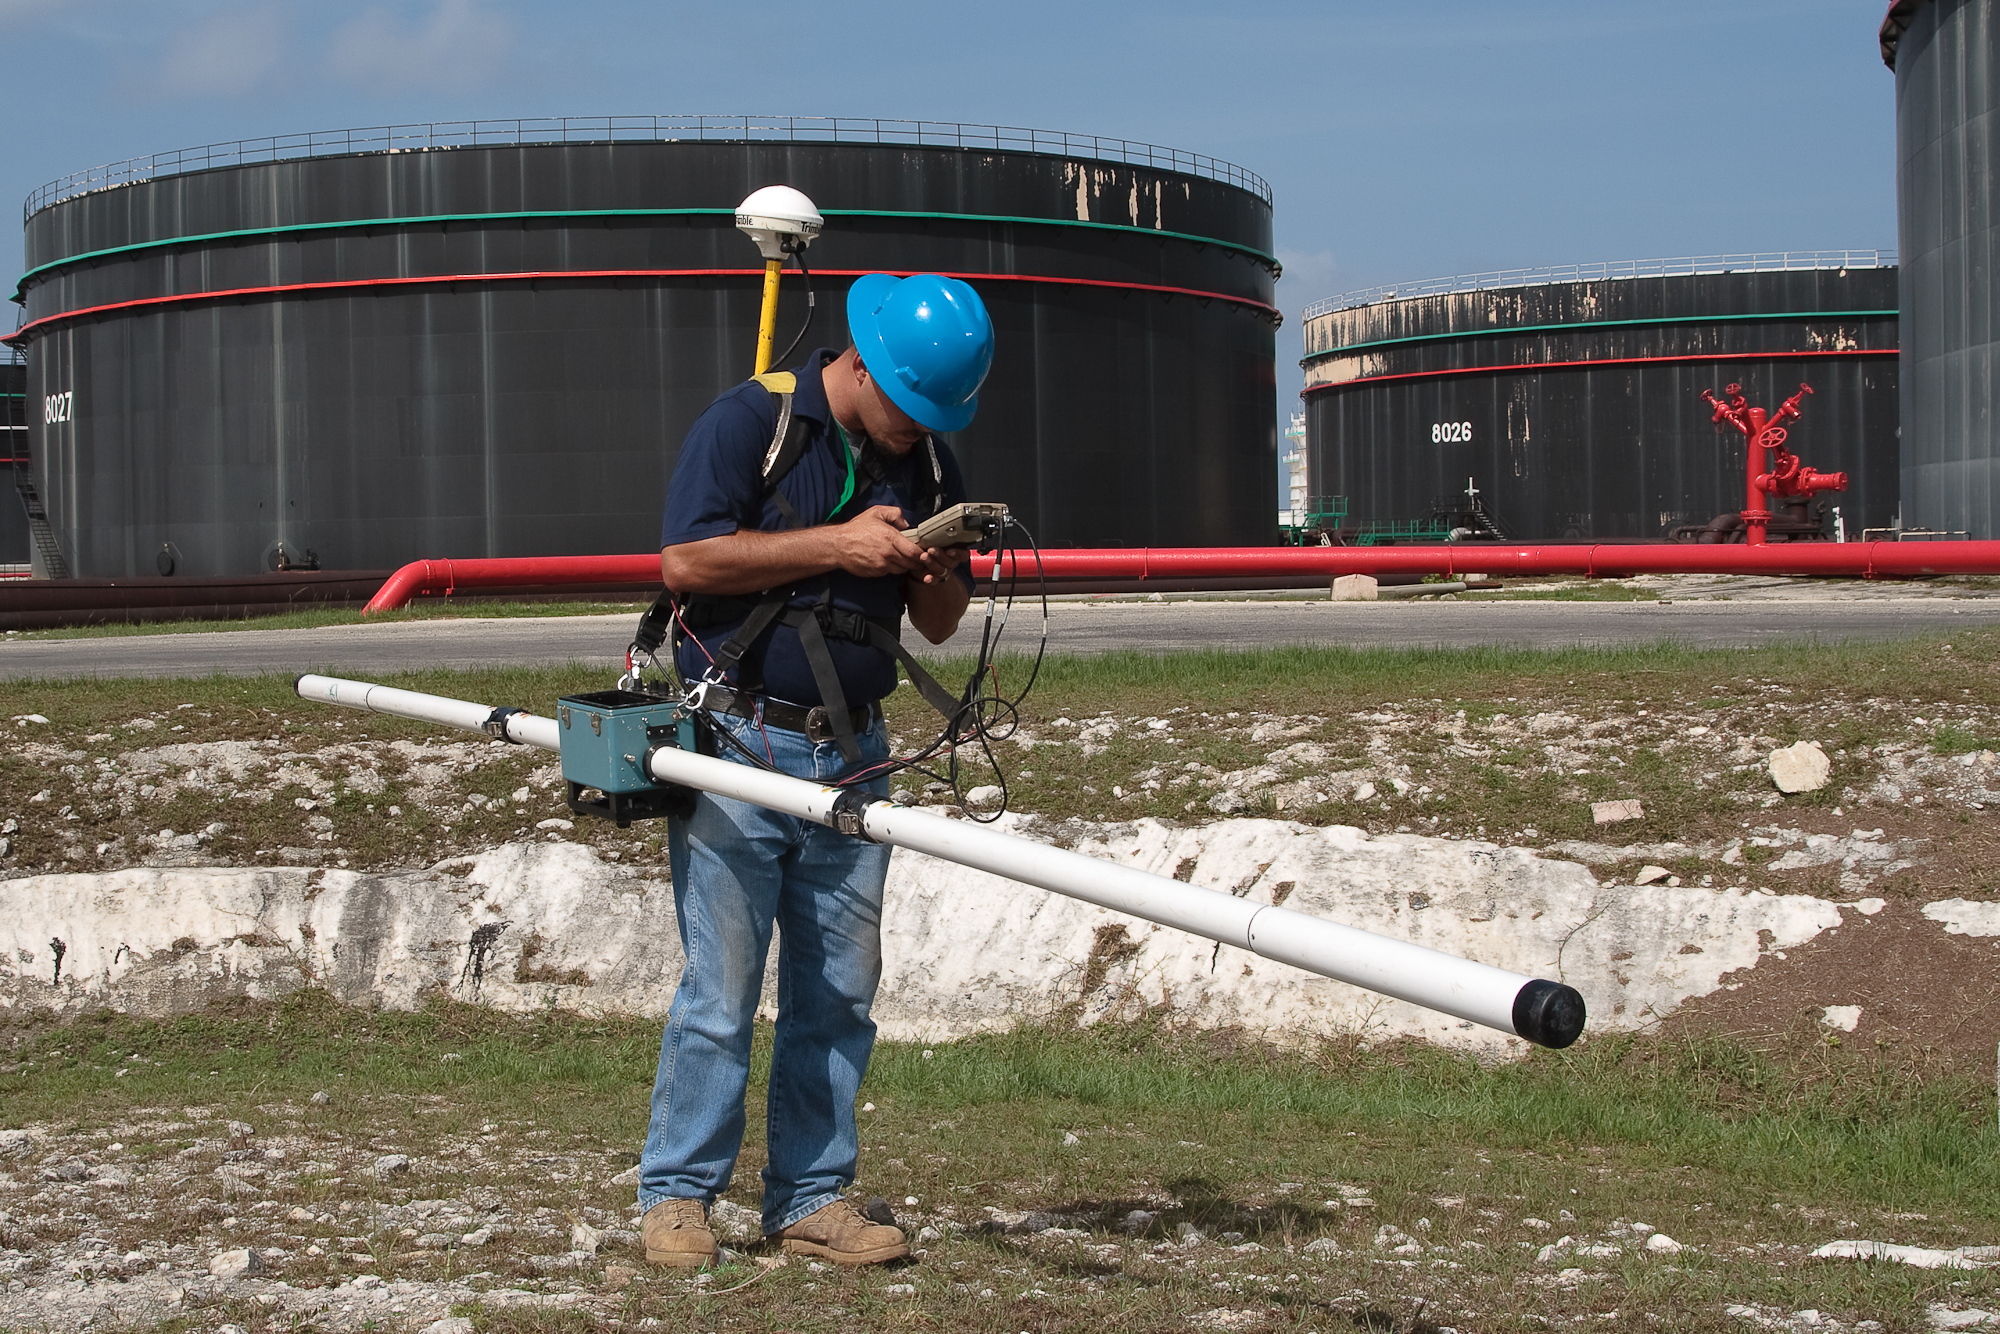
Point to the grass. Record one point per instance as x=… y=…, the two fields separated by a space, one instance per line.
x=1276 y=677
x=1799 y=1125
x=1952 y=740
x=1593 y=590
x=1746 y=1155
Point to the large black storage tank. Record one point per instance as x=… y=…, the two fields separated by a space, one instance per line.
x=1946 y=54
x=1573 y=406
x=494 y=348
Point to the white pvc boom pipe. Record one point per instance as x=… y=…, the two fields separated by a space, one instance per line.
x=1541 y=1011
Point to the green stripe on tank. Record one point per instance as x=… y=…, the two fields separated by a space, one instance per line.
x=20 y=286
x=1597 y=324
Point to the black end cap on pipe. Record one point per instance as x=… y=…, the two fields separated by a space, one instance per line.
x=1548 y=1014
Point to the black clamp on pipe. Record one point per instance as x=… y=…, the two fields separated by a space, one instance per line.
x=850 y=813
x=496 y=723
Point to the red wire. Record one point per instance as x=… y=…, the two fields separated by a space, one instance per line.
x=758 y=713
x=691 y=635
x=860 y=774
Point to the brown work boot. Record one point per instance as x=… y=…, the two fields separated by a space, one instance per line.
x=841 y=1233
x=676 y=1234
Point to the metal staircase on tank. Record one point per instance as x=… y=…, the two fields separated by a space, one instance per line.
x=1474 y=515
x=52 y=562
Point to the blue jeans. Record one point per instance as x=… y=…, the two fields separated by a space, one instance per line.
x=738 y=868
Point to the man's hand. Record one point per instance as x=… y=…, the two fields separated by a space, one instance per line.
x=936 y=597
x=937 y=563
x=871 y=544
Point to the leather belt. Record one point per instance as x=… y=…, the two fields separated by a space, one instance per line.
x=814 y=722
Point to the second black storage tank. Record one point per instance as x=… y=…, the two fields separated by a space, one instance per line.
x=1572 y=402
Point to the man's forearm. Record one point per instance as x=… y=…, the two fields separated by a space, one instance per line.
x=868 y=546
x=936 y=608
x=748 y=561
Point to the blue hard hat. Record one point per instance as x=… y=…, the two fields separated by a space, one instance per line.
x=926 y=340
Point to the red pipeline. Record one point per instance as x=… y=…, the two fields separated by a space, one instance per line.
x=1246 y=567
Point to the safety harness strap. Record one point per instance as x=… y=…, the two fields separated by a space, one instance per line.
x=788 y=442
x=739 y=642
x=816 y=623
x=934 y=694
x=826 y=677
x=792 y=519
x=781 y=385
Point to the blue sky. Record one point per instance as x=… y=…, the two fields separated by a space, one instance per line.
x=1403 y=140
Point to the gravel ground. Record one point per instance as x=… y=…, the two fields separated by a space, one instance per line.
x=187 y=1217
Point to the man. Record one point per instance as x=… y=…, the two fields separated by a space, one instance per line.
x=826 y=546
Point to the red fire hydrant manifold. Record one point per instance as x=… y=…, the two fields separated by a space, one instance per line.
x=1784 y=477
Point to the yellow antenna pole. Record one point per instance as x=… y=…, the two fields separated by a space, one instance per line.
x=767 y=320
x=781 y=221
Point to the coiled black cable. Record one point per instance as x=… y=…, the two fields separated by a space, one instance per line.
x=981 y=718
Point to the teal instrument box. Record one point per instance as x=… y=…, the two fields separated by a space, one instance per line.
x=604 y=739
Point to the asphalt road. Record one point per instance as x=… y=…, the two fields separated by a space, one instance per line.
x=598 y=641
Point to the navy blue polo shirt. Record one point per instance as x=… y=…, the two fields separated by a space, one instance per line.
x=718 y=488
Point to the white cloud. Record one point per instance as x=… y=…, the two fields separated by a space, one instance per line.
x=450 y=45
x=1309 y=275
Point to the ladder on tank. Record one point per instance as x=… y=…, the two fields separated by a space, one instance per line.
x=46 y=546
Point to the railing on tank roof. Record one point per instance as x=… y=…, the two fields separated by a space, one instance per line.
x=598 y=129
x=1769 y=261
